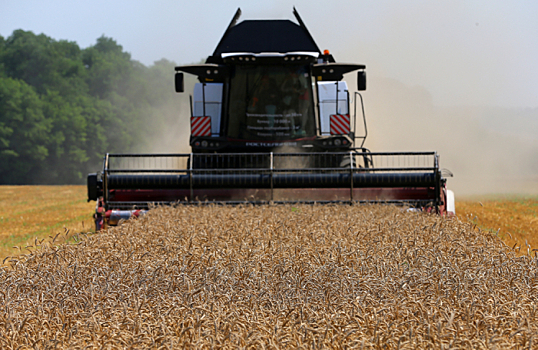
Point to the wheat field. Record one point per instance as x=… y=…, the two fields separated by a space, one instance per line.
x=273 y=277
x=514 y=219
x=28 y=213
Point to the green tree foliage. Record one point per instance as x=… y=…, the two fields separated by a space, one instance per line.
x=24 y=131
x=62 y=107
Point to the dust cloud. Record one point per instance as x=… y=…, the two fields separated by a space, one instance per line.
x=490 y=150
x=456 y=78
x=174 y=134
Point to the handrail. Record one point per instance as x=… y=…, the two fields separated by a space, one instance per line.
x=135 y=155
x=363 y=117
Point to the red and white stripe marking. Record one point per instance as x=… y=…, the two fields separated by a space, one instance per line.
x=340 y=124
x=201 y=126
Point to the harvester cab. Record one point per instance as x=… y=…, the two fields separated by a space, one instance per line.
x=267 y=86
x=272 y=121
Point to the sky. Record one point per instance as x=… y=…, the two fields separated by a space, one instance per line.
x=474 y=52
x=458 y=77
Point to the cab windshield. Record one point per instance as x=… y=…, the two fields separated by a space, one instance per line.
x=271 y=103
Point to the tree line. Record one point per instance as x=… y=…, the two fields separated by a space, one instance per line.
x=63 y=107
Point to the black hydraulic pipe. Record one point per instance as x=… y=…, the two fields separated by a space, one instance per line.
x=285 y=180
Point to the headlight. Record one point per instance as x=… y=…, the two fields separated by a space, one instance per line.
x=337 y=142
x=204 y=143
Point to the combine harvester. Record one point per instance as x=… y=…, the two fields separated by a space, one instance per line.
x=271 y=122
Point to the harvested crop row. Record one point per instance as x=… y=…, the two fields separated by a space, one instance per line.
x=275 y=277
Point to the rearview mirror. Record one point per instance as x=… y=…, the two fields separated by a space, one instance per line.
x=361 y=81
x=180 y=87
